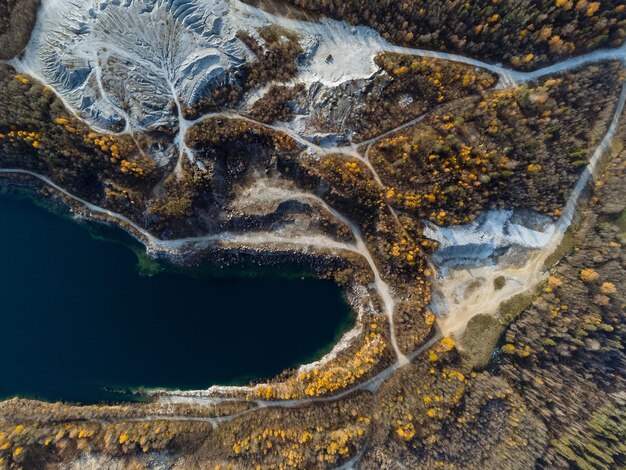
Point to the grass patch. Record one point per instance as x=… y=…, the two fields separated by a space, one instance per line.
x=483 y=332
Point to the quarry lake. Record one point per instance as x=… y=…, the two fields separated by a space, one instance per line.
x=79 y=321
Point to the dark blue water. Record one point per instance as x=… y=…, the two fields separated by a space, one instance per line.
x=78 y=321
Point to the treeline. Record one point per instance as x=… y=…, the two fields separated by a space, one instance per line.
x=276 y=61
x=524 y=33
x=276 y=104
x=37 y=133
x=411 y=87
x=566 y=352
x=17 y=18
x=517 y=148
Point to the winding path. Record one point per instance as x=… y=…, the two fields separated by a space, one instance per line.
x=373 y=384
x=156 y=244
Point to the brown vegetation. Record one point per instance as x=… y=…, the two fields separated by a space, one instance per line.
x=482 y=148
x=567 y=351
x=38 y=134
x=17 y=18
x=513 y=148
x=523 y=33
x=275 y=104
x=409 y=87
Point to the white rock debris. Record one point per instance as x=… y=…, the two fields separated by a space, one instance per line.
x=134 y=64
x=501 y=255
x=122 y=60
x=484 y=263
x=130 y=63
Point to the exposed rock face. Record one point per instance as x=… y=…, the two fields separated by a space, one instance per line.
x=134 y=59
x=491 y=234
x=131 y=64
x=385 y=158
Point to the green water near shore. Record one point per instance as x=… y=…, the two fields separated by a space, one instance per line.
x=81 y=320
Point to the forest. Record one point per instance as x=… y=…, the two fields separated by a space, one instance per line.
x=431 y=141
x=523 y=33
x=17 y=18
